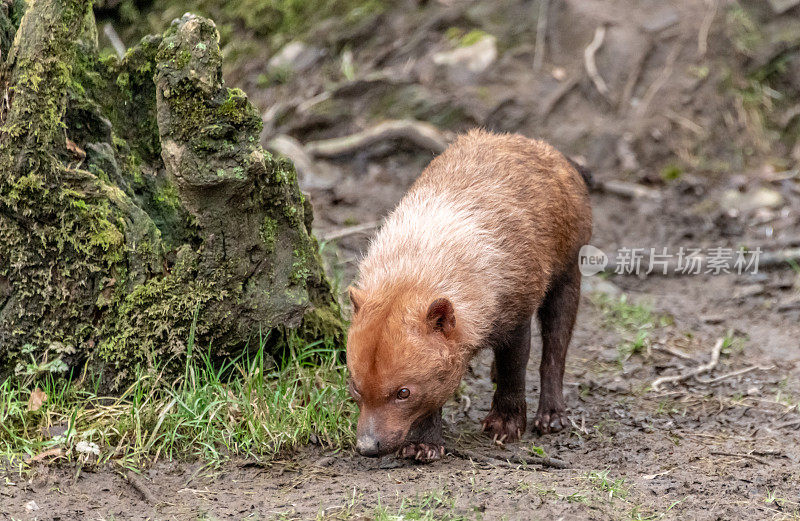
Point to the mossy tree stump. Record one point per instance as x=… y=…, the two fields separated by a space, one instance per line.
x=135 y=201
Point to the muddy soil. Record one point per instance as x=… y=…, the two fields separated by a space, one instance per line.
x=720 y=446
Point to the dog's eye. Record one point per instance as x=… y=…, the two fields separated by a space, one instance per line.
x=403 y=393
x=353 y=391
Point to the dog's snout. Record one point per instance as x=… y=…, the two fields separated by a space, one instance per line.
x=368 y=446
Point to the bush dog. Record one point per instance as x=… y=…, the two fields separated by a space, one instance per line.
x=487 y=236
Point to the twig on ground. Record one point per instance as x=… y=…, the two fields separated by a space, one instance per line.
x=541 y=34
x=738 y=455
x=550 y=103
x=420 y=133
x=591 y=65
x=633 y=77
x=139 y=485
x=702 y=35
x=512 y=461
x=338 y=233
x=693 y=372
x=732 y=374
x=116 y=41
x=659 y=82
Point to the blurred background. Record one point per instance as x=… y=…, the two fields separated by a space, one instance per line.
x=687 y=112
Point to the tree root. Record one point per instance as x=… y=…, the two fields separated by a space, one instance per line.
x=424 y=135
x=693 y=372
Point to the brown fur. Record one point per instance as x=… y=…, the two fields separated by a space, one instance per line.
x=491 y=228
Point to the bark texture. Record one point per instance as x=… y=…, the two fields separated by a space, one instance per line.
x=135 y=202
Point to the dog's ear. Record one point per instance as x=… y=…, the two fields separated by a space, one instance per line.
x=441 y=317
x=356 y=298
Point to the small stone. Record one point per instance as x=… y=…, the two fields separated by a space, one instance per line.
x=296 y=56
x=31 y=506
x=466 y=64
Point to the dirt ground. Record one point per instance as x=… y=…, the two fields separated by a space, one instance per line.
x=720 y=446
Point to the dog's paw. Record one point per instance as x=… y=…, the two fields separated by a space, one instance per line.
x=504 y=427
x=549 y=421
x=422 y=452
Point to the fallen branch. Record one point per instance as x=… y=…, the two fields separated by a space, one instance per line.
x=338 y=233
x=509 y=462
x=693 y=372
x=139 y=485
x=419 y=133
x=589 y=62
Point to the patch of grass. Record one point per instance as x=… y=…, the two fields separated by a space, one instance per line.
x=615 y=487
x=574 y=497
x=250 y=407
x=634 y=322
x=436 y=505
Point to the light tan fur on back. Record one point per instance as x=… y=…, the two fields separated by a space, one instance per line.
x=480 y=228
x=487 y=226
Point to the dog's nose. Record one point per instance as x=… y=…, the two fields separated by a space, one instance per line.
x=368 y=446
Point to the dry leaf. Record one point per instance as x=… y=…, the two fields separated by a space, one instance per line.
x=38 y=397
x=50 y=453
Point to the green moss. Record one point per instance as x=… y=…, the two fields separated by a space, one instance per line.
x=268 y=231
x=326 y=323
x=107 y=258
x=168 y=306
x=58 y=227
